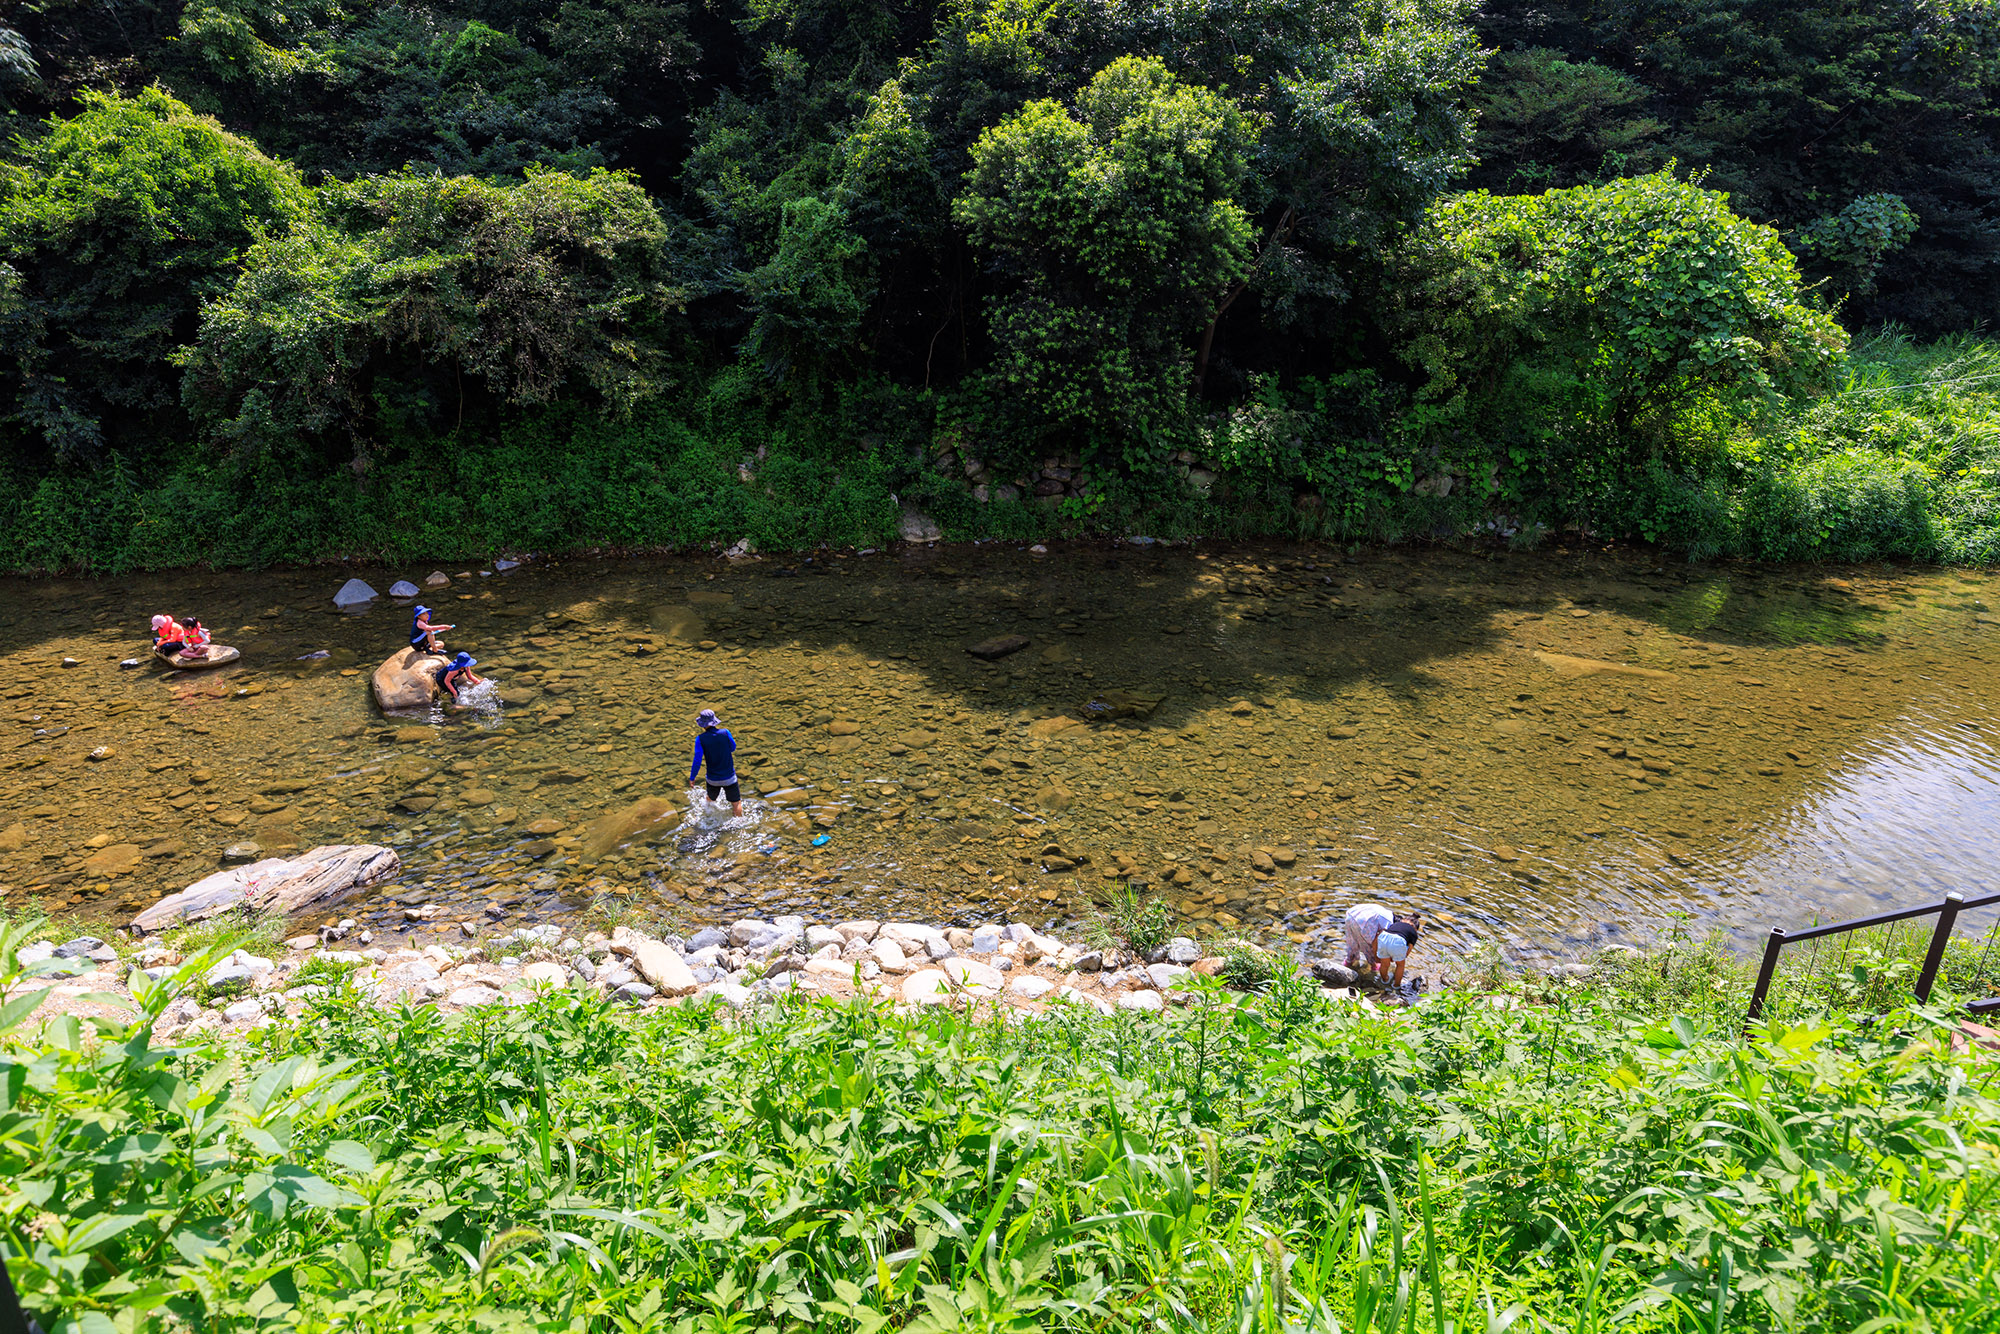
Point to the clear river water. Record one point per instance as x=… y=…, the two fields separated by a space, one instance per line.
x=1546 y=751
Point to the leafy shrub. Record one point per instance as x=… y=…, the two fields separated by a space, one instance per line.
x=321 y=971
x=1248 y=967
x=1144 y=922
x=1636 y=297
x=1587 y=332
x=1684 y=510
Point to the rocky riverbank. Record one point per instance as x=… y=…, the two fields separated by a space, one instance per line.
x=903 y=963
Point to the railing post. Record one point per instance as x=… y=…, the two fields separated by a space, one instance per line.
x=1947 y=919
x=1764 y=974
x=13 y=1320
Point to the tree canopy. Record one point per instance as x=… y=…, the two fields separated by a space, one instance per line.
x=1114 y=232
x=1059 y=226
x=115 y=224
x=397 y=288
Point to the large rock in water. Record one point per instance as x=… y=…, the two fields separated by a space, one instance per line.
x=275 y=884
x=408 y=680
x=1121 y=704
x=1565 y=664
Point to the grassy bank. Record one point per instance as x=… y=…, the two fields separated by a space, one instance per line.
x=1576 y=1160
x=1903 y=462
x=1903 y=459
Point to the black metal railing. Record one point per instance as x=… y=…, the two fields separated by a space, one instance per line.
x=13 y=1320
x=1947 y=914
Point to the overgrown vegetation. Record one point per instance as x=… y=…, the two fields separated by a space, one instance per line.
x=1140 y=921
x=1269 y=1164
x=284 y=281
x=1865 y=972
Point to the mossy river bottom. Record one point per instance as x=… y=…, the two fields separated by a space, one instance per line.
x=1546 y=751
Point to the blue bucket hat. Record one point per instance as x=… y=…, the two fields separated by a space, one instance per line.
x=465 y=660
x=707 y=718
x=421 y=609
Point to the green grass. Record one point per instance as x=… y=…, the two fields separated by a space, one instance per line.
x=65 y=926
x=1858 y=972
x=318 y=969
x=1141 y=922
x=1901 y=459
x=1247 y=966
x=225 y=933
x=1255 y=1165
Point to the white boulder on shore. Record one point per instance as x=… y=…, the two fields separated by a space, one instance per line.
x=752 y=961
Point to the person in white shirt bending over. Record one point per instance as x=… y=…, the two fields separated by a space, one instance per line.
x=1377 y=938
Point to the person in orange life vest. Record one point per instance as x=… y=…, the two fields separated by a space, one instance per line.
x=456 y=675
x=196 y=637
x=169 y=636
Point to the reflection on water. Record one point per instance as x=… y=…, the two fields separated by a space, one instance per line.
x=1722 y=609
x=1547 y=750
x=1913 y=809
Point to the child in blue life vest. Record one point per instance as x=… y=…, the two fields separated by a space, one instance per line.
x=423 y=634
x=716 y=749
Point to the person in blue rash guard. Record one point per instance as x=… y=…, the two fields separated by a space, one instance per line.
x=717 y=749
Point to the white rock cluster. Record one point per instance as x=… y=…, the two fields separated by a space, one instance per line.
x=905 y=963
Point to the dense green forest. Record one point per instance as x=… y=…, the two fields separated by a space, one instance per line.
x=284 y=279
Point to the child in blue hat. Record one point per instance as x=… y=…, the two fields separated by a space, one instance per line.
x=423 y=635
x=457 y=674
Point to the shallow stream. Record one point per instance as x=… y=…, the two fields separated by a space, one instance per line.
x=1547 y=750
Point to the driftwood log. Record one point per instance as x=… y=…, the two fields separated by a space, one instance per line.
x=275 y=885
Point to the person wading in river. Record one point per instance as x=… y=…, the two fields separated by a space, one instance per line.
x=716 y=749
x=1377 y=938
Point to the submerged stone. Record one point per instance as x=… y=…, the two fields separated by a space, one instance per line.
x=998 y=647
